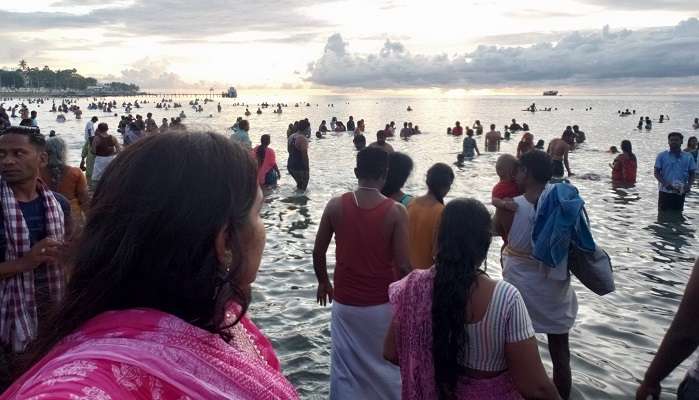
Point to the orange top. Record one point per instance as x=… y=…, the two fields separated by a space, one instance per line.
x=423 y=222
x=72 y=183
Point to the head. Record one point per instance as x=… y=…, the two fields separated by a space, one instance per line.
x=400 y=165
x=244 y=125
x=492 y=127
x=405 y=124
x=33 y=114
x=626 y=146
x=372 y=166
x=540 y=143
x=94 y=119
x=528 y=138
x=351 y=118
x=674 y=140
x=381 y=137
x=576 y=128
x=613 y=150
x=102 y=127
x=439 y=179
x=149 y=115
x=181 y=258
x=469 y=132
x=692 y=142
x=303 y=125
x=458 y=123
x=514 y=121
x=22 y=154
x=463 y=240
x=506 y=167
x=449 y=131
x=478 y=122
x=534 y=169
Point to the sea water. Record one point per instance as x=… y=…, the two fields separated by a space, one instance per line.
x=615 y=336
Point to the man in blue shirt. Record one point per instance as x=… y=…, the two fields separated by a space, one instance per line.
x=674 y=170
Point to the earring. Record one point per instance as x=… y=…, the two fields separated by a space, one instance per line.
x=228 y=260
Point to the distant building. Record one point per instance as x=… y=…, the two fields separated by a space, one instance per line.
x=231 y=93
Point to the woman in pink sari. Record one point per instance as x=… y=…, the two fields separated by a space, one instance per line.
x=267 y=170
x=456 y=333
x=157 y=300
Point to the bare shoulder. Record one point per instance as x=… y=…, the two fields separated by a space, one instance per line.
x=398 y=212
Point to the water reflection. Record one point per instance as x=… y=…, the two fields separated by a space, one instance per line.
x=673 y=232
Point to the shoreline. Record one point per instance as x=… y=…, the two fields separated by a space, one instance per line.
x=67 y=93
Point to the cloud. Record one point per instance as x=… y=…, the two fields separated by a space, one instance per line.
x=171 y=18
x=654 y=53
x=664 y=5
x=153 y=74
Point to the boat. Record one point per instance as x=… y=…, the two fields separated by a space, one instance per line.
x=232 y=93
x=551 y=93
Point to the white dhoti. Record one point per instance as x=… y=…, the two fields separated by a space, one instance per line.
x=551 y=303
x=358 y=370
x=100 y=165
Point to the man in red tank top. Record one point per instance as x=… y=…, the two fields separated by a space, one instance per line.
x=371 y=240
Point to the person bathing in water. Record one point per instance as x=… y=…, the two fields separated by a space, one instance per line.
x=558 y=150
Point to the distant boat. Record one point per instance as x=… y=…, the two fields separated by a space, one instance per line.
x=551 y=93
x=232 y=93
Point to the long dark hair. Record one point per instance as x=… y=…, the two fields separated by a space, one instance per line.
x=149 y=239
x=626 y=148
x=462 y=246
x=262 y=149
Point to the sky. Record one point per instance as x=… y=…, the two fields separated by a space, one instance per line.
x=456 y=46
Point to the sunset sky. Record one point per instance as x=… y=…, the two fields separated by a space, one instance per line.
x=379 y=44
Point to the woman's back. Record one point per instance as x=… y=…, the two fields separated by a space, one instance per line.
x=504 y=320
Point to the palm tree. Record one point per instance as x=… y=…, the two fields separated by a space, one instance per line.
x=23 y=64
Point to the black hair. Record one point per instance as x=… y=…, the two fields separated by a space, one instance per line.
x=33 y=133
x=439 y=178
x=463 y=240
x=372 y=163
x=671 y=134
x=303 y=125
x=244 y=125
x=626 y=148
x=262 y=149
x=139 y=249
x=538 y=164
x=400 y=165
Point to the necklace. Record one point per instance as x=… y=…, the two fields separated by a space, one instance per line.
x=354 y=193
x=367 y=188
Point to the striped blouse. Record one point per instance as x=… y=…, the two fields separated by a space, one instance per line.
x=505 y=321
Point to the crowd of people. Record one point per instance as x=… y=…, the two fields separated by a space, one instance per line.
x=109 y=289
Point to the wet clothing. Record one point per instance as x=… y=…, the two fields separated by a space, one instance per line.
x=469 y=147
x=423 y=222
x=624 y=169
x=558 y=168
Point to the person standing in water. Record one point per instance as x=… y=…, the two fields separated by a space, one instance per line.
x=558 y=151
x=692 y=147
x=470 y=145
x=371 y=252
x=267 y=170
x=381 y=142
x=551 y=302
x=424 y=214
x=298 y=164
x=624 y=166
x=492 y=139
x=674 y=171
x=88 y=159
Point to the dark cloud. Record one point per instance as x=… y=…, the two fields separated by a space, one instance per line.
x=663 y=5
x=172 y=18
x=658 y=53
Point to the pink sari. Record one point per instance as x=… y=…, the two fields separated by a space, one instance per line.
x=411 y=298
x=148 y=354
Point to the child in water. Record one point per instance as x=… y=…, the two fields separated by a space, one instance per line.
x=503 y=193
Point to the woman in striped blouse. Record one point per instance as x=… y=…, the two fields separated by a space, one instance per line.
x=457 y=333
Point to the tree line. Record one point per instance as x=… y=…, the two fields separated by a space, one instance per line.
x=26 y=77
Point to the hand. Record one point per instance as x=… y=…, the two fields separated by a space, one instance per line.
x=510 y=205
x=570 y=173
x=646 y=391
x=45 y=251
x=82 y=165
x=325 y=293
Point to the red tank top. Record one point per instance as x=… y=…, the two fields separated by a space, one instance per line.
x=364 y=257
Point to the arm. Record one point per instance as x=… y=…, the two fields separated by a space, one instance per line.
x=33 y=259
x=679 y=342
x=390 y=352
x=82 y=193
x=323 y=238
x=303 y=146
x=400 y=241
x=690 y=181
x=659 y=177
x=527 y=370
x=565 y=162
x=475 y=146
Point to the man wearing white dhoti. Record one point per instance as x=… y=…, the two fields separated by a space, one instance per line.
x=546 y=291
x=371 y=238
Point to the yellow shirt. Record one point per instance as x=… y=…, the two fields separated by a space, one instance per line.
x=423 y=222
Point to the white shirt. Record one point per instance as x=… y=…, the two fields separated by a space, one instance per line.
x=89 y=130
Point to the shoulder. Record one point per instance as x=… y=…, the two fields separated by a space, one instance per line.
x=419 y=278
